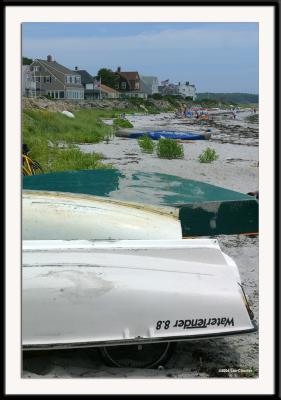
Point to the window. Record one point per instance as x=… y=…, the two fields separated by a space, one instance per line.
x=61 y=95
x=116 y=85
x=47 y=79
x=37 y=79
x=123 y=85
x=137 y=85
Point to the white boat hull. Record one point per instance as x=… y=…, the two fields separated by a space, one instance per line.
x=66 y=216
x=100 y=293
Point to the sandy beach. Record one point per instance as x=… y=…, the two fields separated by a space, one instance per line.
x=236 y=142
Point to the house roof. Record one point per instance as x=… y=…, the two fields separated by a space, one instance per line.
x=55 y=67
x=58 y=71
x=85 y=76
x=131 y=75
x=108 y=89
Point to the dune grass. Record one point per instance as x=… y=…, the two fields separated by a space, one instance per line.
x=122 y=123
x=146 y=144
x=209 y=155
x=169 y=148
x=45 y=132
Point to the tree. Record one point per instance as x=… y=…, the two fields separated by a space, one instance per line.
x=26 y=61
x=108 y=77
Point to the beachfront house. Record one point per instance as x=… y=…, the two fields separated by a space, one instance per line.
x=149 y=84
x=27 y=86
x=129 y=84
x=186 y=90
x=91 y=92
x=109 y=93
x=168 y=89
x=49 y=78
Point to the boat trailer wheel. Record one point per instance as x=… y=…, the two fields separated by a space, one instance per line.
x=149 y=355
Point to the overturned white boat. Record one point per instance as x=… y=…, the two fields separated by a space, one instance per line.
x=67 y=216
x=143 y=295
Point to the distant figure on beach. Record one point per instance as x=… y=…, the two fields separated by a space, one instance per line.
x=255 y=110
x=234 y=114
x=123 y=116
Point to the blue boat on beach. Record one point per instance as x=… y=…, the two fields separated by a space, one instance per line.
x=156 y=135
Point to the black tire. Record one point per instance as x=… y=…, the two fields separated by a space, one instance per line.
x=149 y=355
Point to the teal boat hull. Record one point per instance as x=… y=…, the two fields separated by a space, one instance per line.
x=204 y=209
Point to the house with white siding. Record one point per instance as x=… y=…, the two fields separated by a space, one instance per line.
x=149 y=84
x=186 y=90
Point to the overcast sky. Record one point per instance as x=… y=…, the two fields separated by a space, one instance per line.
x=216 y=57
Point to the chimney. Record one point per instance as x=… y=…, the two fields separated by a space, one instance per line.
x=76 y=68
x=119 y=69
x=49 y=58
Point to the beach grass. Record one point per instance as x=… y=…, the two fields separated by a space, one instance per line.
x=208 y=155
x=122 y=123
x=52 y=136
x=146 y=144
x=169 y=148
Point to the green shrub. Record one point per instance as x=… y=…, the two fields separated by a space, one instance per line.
x=252 y=118
x=146 y=144
x=157 y=96
x=123 y=123
x=169 y=148
x=208 y=155
x=72 y=160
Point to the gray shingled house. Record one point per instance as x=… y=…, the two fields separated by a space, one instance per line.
x=53 y=79
x=88 y=82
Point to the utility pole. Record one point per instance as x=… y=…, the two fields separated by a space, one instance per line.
x=35 y=84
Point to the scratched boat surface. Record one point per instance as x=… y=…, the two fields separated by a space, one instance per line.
x=203 y=209
x=53 y=215
x=100 y=293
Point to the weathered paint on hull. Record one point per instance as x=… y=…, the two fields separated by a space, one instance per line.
x=204 y=209
x=99 y=293
x=51 y=215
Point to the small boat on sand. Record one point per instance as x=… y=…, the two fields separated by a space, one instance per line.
x=132 y=299
x=201 y=209
x=156 y=135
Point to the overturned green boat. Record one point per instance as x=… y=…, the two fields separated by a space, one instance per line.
x=201 y=209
